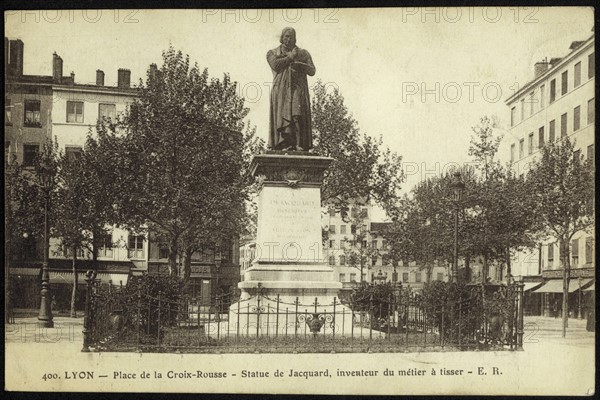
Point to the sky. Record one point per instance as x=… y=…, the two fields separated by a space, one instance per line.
x=420 y=78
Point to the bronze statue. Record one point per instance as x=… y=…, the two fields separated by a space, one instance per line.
x=290 y=123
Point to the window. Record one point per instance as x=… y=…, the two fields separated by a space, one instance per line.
x=105 y=248
x=512 y=152
x=542 y=96
x=342 y=228
x=342 y=260
x=32 y=114
x=564 y=83
x=75 y=111
x=589 y=250
x=374 y=244
x=332 y=212
x=563 y=125
x=135 y=246
x=577 y=77
x=591 y=118
x=364 y=277
x=342 y=277
x=521 y=148
x=513 y=116
x=418 y=276
x=6 y=151
x=68 y=251
x=541 y=137
x=552 y=132
x=550 y=254
x=73 y=152
x=552 y=90
x=374 y=261
x=575 y=251
x=531 y=103
x=365 y=213
x=30 y=152
x=363 y=244
x=440 y=276
x=530 y=144
x=577 y=155
x=591 y=66
x=331 y=244
x=331 y=260
x=576 y=119
x=7 y=111
x=522 y=109
x=353 y=229
x=352 y=277
x=590 y=154
x=331 y=228
x=108 y=111
x=405 y=277
x=384 y=244
x=385 y=259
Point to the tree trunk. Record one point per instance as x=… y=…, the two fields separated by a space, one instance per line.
x=566 y=276
x=95 y=240
x=187 y=265
x=173 y=257
x=508 y=266
x=74 y=291
x=467 y=268
x=484 y=274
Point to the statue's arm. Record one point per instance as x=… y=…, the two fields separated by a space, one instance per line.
x=306 y=64
x=277 y=63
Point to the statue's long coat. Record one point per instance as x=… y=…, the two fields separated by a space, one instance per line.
x=281 y=96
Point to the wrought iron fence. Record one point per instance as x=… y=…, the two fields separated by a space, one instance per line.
x=488 y=318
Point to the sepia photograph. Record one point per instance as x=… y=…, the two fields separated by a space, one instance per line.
x=349 y=201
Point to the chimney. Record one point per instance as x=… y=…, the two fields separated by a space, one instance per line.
x=554 y=61
x=540 y=68
x=57 y=68
x=72 y=78
x=15 y=57
x=123 y=78
x=99 y=77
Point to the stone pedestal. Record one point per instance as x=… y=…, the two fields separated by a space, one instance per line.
x=289 y=272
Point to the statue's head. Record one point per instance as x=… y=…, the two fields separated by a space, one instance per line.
x=288 y=37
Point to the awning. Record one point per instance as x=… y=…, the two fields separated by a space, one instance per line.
x=65 y=277
x=589 y=288
x=531 y=285
x=556 y=286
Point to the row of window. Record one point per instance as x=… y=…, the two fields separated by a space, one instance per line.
x=333 y=244
x=32 y=114
x=591 y=116
x=527 y=111
x=405 y=277
x=374 y=260
x=589 y=251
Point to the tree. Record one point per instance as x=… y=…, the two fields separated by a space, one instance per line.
x=563 y=186
x=83 y=211
x=358 y=250
x=177 y=158
x=362 y=168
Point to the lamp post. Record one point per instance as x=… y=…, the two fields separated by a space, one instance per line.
x=458 y=187
x=45 y=317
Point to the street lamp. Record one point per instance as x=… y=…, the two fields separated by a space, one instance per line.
x=458 y=186
x=45 y=317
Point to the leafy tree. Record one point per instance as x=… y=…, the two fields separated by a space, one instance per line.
x=178 y=157
x=83 y=211
x=358 y=249
x=563 y=186
x=362 y=168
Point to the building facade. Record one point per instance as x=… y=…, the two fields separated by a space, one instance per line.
x=558 y=103
x=341 y=243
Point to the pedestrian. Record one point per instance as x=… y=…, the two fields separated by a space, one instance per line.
x=591 y=313
x=555 y=308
